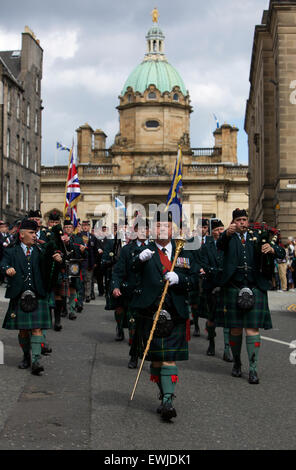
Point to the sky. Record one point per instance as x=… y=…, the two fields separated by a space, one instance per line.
x=91 y=47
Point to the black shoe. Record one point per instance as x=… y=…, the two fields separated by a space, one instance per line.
x=72 y=316
x=46 y=350
x=211 y=349
x=57 y=327
x=119 y=334
x=26 y=362
x=133 y=363
x=79 y=308
x=253 y=377
x=168 y=411
x=87 y=300
x=236 y=370
x=37 y=368
x=227 y=356
x=196 y=332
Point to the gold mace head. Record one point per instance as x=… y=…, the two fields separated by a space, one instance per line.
x=180 y=242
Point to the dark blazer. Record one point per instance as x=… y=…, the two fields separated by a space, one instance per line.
x=14 y=257
x=123 y=276
x=92 y=249
x=152 y=281
x=212 y=262
x=232 y=248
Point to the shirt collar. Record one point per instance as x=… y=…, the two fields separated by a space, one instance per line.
x=168 y=247
x=25 y=248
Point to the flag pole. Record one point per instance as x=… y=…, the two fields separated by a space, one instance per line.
x=66 y=187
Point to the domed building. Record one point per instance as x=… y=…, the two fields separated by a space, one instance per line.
x=154 y=115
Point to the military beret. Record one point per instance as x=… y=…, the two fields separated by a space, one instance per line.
x=239 y=213
x=67 y=222
x=36 y=213
x=27 y=224
x=216 y=223
x=203 y=222
x=54 y=216
x=163 y=216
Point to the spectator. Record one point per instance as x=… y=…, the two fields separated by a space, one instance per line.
x=282 y=267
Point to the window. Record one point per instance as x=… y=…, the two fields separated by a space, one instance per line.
x=176 y=97
x=7 y=189
x=28 y=156
x=28 y=115
x=17 y=148
x=151 y=95
x=37 y=84
x=18 y=106
x=27 y=197
x=36 y=122
x=17 y=202
x=8 y=100
x=8 y=143
x=23 y=152
x=152 y=124
x=35 y=199
x=22 y=196
x=129 y=98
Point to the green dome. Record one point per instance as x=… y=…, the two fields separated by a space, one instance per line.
x=154 y=72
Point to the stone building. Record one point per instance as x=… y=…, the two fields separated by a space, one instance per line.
x=20 y=127
x=270 y=120
x=154 y=112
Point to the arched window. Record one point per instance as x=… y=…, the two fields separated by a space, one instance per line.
x=152 y=124
x=176 y=97
x=151 y=95
x=129 y=98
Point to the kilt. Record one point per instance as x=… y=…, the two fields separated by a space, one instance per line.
x=17 y=319
x=62 y=287
x=258 y=317
x=172 y=348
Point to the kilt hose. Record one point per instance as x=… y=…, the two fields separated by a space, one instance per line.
x=172 y=348
x=258 y=317
x=17 y=319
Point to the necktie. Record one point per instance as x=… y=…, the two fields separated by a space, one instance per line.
x=242 y=236
x=28 y=254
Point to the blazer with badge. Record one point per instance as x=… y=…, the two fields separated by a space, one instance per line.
x=15 y=257
x=233 y=257
x=152 y=280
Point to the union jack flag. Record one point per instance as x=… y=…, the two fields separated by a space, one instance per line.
x=73 y=192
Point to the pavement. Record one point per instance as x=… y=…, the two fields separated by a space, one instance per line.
x=82 y=401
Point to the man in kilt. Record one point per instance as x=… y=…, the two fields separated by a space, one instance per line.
x=28 y=309
x=211 y=306
x=245 y=309
x=124 y=280
x=171 y=343
x=195 y=295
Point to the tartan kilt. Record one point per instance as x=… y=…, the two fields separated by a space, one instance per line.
x=172 y=348
x=39 y=318
x=258 y=317
x=61 y=289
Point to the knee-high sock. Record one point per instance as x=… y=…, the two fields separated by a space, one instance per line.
x=226 y=332
x=236 y=347
x=57 y=311
x=36 y=347
x=253 y=345
x=25 y=344
x=155 y=377
x=169 y=378
x=72 y=303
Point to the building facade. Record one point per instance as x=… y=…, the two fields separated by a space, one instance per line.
x=20 y=127
x=270 y=120
x=154 y=113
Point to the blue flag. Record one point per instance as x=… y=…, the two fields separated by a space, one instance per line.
x=174 y=203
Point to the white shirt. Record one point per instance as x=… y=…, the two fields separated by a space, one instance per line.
x=140 y=243
x=245 y=235
x=25 y=247
x=168 y=247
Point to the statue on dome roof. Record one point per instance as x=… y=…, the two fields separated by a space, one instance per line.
x=155 y=15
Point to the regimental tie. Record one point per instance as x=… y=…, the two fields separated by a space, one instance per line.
x=242 y=236
x=28 y=254
x=164 y=250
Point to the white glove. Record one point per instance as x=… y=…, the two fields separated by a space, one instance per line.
x=145 y=255
x=172 y=277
